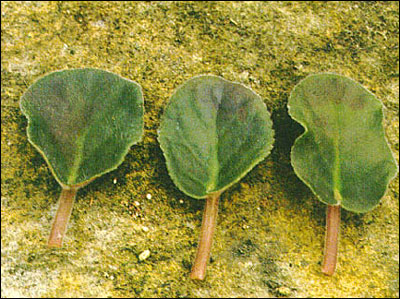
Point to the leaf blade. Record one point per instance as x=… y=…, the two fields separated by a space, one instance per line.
x=72 y=116
x=203 y=111
x=342 y=122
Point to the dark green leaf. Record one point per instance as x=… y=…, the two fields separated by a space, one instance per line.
x=212 y=133
x=343 y=155
x=83 y=121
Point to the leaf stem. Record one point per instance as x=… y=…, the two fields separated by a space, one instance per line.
x=206 y=237
x=59 y=227
x=331 y=239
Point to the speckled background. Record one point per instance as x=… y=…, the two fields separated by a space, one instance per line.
x=270 y=232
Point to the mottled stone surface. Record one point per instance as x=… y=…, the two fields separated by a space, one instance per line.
x=270 y=234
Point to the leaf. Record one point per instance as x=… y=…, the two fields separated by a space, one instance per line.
x=343 y=155
x=212 y=133
x=83 y=121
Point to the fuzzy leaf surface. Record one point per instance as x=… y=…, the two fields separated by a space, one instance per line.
x=212 y=133
x=343 y=155
x=83 y=121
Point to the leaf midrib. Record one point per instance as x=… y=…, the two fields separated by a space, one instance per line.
x=336 y=167
x=73 y=174
x=214 y=163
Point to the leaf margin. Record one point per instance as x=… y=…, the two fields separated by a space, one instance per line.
x=244 y=173
x=123 y=152
x=382 y=115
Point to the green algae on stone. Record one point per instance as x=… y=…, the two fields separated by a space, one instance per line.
x=83 y=122
x=212 y=133
x=273 y=45
x=343 y=155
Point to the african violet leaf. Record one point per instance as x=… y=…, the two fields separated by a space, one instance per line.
x=212 y=133
x=343 y=155
x=83 y=122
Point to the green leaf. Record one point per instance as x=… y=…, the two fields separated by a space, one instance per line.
x=343 y=155
x=83 y=121
x=212 y=133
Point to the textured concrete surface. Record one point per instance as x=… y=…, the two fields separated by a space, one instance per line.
x=270 y=232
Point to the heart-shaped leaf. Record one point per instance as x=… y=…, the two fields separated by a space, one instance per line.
x=83 y=122
x=343 y=155
x=212 y=133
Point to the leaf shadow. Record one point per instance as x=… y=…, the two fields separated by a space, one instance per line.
x=162 y=180
x=286 y=132
x=33 y=159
